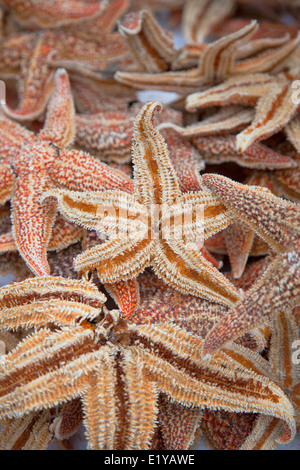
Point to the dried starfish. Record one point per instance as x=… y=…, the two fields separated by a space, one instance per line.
x=225 y=121
x=177 y=261
x=63 y=235
x=36 y=161
x=217 y=61
x=151 y=46
x=108 y=135
x=37 y=13
x=177 y=424
x=132 y=362
x=44 y=51
x=30 y=432
x=201 y=17
x=281 y=368
x=272 y=95
x=99 y=96
x=68 y=421
x=239 y=238
x=278 y=222
x=221 y=149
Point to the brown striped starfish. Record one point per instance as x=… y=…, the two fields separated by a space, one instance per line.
x=117 y=368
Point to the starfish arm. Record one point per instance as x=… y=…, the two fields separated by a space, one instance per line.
x=100 y=96
x=37 y=13
x=228 y=382
x=216 y=62
x=7 y=243
x=106 y=134
x=106 y=21
x=163 y=304
x=245 y=89
x=134 y=420
x=45 y=314
x=212 y=216
x=117 y=259
x=12 y=137
x=50 y=288
x=276 y=288
x=289 y=181
x=7 y=181
x=277 y=221
x=30 y=432
x=225 y=430
x=97 y=58
x=59 y=127
x=35 y=81
x=238 y=239
x=68 y=420
x=185 y=159
x=200 y=17
x=79 y=171
x=188 y=271
x=151 y=46
x=284 y=333
x=226 y=120
x=292 y=130
x=274 y=110
x=155 y=178
x=64 y=234
x=265 y=434
x=126 y=294
x=221 y=149
x=181 y=82
x=178 y=424
x=113 y=211
x=33 y=220
x=62 y=383
x=270 y=61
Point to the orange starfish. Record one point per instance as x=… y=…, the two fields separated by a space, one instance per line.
x=175 y=259
x=32 y=58
x=272 y=95
x=37 y=13
x=108 y=134
x=216 y=62
x=35 y=159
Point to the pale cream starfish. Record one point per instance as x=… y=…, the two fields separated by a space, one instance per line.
x=147 y=229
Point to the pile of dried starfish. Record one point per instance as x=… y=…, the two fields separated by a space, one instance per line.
x=150 y=341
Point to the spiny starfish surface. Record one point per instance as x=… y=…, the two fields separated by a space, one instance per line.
x=278 y=222
x=42 y=52
x=272 y=95
x=217 y=61
x=37 y=13
x=138 y=224
x=108 y=135
x=39 y=160
x=118 y=368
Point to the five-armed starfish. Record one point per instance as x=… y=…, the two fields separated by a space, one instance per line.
x=155 y=216
x=30 y=163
